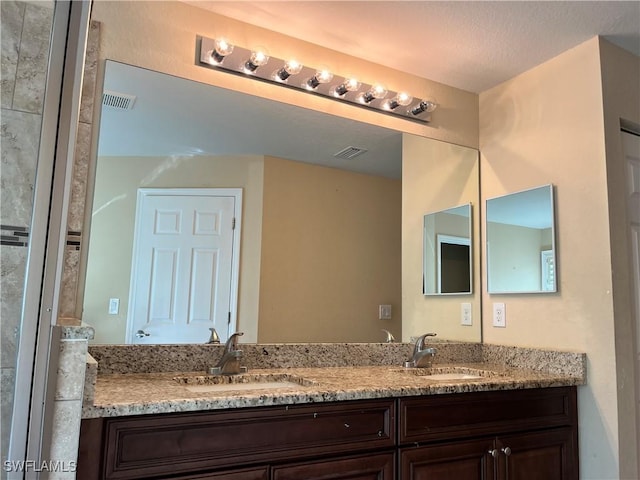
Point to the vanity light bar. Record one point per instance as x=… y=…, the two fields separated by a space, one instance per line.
x=221 y=55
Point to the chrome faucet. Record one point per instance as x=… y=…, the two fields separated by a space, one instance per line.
x=229 y=364
x=422 y=357
x=390 y=337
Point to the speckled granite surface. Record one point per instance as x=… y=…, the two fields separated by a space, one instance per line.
x=134 y=394
x=75 y=331
x=165 y=358
x=136 y=380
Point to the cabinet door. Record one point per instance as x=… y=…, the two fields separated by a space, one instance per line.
x=366 y=467
x=463 y=460
x=260 y=473
x=544 y=455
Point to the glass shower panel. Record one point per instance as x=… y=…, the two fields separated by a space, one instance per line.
x=26 y=40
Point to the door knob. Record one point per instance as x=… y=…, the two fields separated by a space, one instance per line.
x=506 y=451
x=141 y=334
x=493 y=453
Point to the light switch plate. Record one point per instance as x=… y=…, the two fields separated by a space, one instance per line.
x=114 y=306
x=465 y=314
x=384 y=312
x=499 y=315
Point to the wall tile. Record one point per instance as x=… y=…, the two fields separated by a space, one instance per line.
x=66 y=432
x=7 y=382
x=69 y=287
x=20 y=137
x=90 y=73
x=13 y=262
x=12 y=18
x=33 y=59
x=71 y=369
x=80 y=176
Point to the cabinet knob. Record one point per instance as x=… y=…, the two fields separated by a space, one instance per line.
x=493 y=453
x=506 y=451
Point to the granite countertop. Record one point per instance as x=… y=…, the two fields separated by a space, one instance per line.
x=148 y=393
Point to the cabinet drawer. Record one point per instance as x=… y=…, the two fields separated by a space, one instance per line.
x=141 y=447
x=467 y=414
x=364 y=467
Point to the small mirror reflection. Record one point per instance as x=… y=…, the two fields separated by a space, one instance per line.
x=447 y=251
x=521 y=242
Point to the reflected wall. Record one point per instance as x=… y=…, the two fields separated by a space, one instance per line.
x=436 y=176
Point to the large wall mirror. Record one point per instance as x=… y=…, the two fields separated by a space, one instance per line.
x=520 y=234
x=320 y=245
x=448 y=253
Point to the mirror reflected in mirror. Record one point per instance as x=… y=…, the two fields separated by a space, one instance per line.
x=447 y=252
x=520 y=246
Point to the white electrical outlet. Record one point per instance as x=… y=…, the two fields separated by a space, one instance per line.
x=114 y=306
x=384 y=312
x=465 y=314
x=499 y=315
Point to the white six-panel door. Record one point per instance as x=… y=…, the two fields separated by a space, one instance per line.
x=631 y=147
x=184 y=274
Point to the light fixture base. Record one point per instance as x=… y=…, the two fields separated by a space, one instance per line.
x=237 y=59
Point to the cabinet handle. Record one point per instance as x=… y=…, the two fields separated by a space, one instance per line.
x=506 y=451
x=493 y=453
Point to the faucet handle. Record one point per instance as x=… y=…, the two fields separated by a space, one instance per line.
x=214 y=338
x=232 y=342
x=390 y=337
x=421 y=339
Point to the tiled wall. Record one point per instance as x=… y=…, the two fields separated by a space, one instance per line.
x=70 y=307
x=26 y=31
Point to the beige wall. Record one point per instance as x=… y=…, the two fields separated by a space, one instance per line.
x=547 y=126
x=331 y=243
x=436 y=176
x=161 y=36
x=621 y=92
x=112 y=229
x=513 y=257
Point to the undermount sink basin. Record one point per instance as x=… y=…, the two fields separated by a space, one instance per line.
x=446 y=373
x=453 y=376
x=242 y=382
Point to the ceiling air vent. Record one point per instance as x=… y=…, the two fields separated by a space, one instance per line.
x=121 y=101
x=350 y=152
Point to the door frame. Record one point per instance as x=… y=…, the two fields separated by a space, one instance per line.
x=236 y=193
x=453 y=240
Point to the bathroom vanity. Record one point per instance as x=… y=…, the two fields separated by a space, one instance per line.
x=502 y=434
x=473 y=420
x=484 y=435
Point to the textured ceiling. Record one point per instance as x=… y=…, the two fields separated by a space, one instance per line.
x=470 y=45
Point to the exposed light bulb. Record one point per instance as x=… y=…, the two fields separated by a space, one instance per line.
x=424 y=106
x=402 y=98
x=321 y=76
x=257 y=59
x=222 y=48
x=377 y=91
x=291 y=67
x=351 y=85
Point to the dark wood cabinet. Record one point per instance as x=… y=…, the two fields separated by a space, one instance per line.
x=505 y=435
x=158 y=446
x=544 y=455
x=261 y=473
x=462 y=460
x=525 y=435
x=367 y=467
